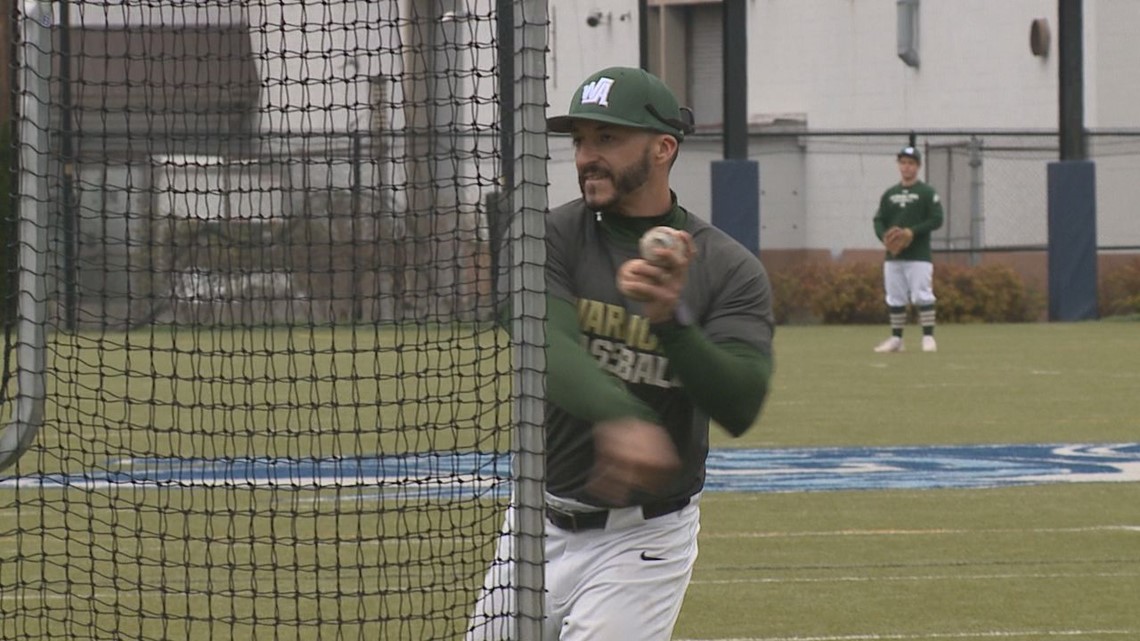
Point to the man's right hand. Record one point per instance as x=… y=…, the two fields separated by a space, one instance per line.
x=630 y=456
x=658 y=284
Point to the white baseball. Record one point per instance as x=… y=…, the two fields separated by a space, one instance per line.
x=658 y=238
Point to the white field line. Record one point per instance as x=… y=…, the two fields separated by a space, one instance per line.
x=299 y=482
x=919 y=577
x=7 y=546
x=5 y=541
x=932 y=636
x=199 y=593
x=313 y=590
x=922 y=532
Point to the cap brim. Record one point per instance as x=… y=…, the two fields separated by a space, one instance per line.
x=565 y=124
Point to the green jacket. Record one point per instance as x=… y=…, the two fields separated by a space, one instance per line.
x=917 y=208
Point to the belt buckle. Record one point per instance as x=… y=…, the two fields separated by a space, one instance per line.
x=575 y=526
x=564 y=519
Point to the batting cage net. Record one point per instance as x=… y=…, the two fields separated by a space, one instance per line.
x=273 y=316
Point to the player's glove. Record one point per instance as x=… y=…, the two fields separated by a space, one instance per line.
x=897 y=239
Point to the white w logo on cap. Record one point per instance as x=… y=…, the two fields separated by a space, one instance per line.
x=597 y=92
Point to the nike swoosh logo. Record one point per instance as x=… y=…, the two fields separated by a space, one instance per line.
x=645 y=556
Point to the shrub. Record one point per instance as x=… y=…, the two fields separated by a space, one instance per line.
x=990 y=293
x=851 y=293
x=829 y=293
x=792 y=292
x=1119 y=290
x=845 y=293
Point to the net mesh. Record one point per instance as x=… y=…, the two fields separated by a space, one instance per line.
x=8 y=261
x=276 y=402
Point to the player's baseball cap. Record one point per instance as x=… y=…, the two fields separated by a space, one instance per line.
x=629 y=97
x=910 y=152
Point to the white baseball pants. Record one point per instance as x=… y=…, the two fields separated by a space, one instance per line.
x=908 y=281
x=620 y=583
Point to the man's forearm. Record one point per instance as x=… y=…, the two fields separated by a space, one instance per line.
x=728 y=381
x=576 y=384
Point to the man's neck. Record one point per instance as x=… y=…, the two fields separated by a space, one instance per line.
x=630 y=228
x=645 y=210
x=909 y=183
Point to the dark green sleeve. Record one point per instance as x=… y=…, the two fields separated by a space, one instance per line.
x=574 y=382
x=880 y=223
x=728 y=381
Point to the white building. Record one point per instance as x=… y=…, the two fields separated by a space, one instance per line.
x=833 y=65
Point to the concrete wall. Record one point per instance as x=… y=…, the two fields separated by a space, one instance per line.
x=1112 y=77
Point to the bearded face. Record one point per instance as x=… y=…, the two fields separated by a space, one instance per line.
x=604 y=189
x=613 y=163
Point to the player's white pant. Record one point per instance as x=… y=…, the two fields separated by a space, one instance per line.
x=491 y=619
x=908 y=281
x=622 y=583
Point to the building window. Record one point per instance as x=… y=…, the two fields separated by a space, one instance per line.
x=686 y=43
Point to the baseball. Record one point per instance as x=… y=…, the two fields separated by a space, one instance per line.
x=658 y=238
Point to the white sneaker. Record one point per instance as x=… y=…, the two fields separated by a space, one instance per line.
x=929 y=344
x=892 y=344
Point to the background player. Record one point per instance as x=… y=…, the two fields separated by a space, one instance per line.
x=641 y=355
x=908 y=212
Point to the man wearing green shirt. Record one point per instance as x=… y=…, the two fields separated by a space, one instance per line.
x=642 y=354
x=908 y=212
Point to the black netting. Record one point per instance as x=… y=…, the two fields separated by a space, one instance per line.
x=276 y=404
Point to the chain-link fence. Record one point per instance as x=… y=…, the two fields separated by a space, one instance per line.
x=301 y=229
x=365 y=234
x=821 y=188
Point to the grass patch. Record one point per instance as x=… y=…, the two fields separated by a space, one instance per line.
x=292 y=563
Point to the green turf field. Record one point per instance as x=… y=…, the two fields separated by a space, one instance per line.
x=1025 y=563
x=1031 y=383
x=273 y=392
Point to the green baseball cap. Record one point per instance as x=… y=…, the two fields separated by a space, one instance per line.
x=910 y=152
x=628 y=97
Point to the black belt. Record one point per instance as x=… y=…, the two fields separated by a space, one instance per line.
x=578 y=521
